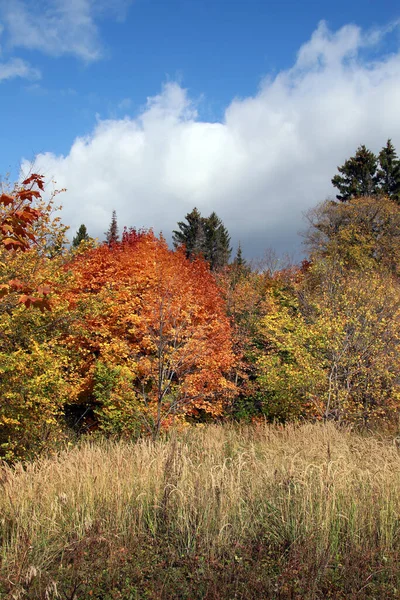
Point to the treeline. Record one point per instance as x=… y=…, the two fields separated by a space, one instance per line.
x=128 y=337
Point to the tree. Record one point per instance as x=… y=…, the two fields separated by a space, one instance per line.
x=112 y=232
x=156 y=322
x=81 y=236
x=360 y=234
x=331 y=346
x=204 y=236
x=32 y=365
x=191 y=234
x=217 y=249
x=388 y=175
x=244 y=292
x=26 y=224
x=358 y=176
x=17 y=215
x=239 y=261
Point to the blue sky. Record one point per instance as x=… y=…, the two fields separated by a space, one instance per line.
x=84 y=80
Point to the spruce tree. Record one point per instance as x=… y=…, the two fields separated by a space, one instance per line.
x=191 y=234
x=358 y=176
x=81 y=236
x=217 y=249
x=204 y=236
x=112 y=232
x=389 y=172
x=239 y=261
x=240 y=267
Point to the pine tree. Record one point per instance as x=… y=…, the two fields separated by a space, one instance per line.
x=358 y=176
x=389 y=172
x=81 y=236
x=191 y=234
x=112 y=233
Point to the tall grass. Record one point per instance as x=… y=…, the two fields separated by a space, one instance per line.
x=214 y=512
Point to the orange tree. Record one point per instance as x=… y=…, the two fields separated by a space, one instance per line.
x=155 y=344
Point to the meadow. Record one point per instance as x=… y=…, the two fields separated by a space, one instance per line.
x=213 y=512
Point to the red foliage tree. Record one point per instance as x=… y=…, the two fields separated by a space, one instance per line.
x=17 y=219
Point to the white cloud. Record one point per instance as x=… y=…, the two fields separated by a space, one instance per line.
x=58 y=27
x=17 y=68
x=271 y=157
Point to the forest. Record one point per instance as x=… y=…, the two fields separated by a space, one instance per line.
x=175 y=423
x=126 y=337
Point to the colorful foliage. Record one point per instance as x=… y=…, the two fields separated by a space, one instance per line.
x=332 y=350
x=156 y=320
x=32 y=387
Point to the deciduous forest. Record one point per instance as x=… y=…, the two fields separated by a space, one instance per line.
x=128 y=337
x=189 y=353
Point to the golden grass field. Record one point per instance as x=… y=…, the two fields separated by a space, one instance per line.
x=307 y=511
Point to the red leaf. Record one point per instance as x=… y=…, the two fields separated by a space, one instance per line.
x=28 y=194
x=6 y=199
x=35 y=178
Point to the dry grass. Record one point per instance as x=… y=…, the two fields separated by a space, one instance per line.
x=215 y=512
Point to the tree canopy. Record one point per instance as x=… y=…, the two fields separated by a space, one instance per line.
x=204 y=236
x=81 y=236
x=365 y=174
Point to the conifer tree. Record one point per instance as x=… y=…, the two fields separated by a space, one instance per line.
x=239 y=261
x=217 y=249
x=389 y=172
x=191 y=234
x=204 y=236
x=81 y=236
x=112 y=232
x=358 y=176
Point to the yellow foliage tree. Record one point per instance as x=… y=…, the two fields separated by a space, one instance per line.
x=332 y=350
x=32 y=387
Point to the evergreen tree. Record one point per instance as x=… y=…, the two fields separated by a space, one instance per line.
x=112 y=233
x=81 y=236
x=204 y=236
x=358 y=176
x=191 y=234
x=240 y=267
x=217 y=249
x=389 y=172
x=239 y=261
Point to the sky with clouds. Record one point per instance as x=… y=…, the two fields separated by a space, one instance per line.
x=151 y=107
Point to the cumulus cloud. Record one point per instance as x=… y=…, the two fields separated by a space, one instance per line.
x=58 y=27
x=270 y=158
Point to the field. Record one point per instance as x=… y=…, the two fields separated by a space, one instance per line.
x=214 y=512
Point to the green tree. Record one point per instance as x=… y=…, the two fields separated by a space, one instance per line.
x=358 y=176
x=81 y=236
x=217 y=249
x=204 y=236
x=239 y=261
x=112 y=232
x=191 y=234
x=389 y=172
